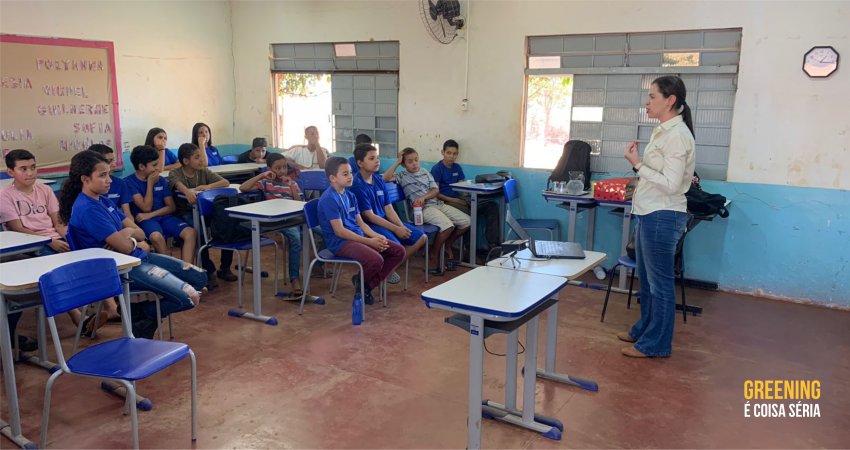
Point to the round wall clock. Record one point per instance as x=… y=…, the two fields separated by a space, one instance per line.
x=820 y=61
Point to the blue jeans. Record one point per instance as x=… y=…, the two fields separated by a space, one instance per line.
x=657 y=234
x=166 y=276
x=293 y=235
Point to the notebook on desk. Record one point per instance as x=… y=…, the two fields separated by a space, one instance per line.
x=555 y=249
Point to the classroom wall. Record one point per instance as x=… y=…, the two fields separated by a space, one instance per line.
x=173 y=59
x=787 y=129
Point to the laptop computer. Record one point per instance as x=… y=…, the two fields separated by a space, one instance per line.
x=555 y=249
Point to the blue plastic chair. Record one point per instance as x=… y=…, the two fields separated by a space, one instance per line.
x=395 y=194
x=550 y=225
x=313 y=180
x=631 y=265
x=4 y=176
x=125 y=359
x=230 y=159
x=311 y=215
x=205 y=208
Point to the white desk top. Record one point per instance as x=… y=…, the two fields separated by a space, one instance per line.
x=267 y=210
x=232 y=186
x=13 y=242
x=587 y=197
x=493 y=293
x=23 y=274
x=469 y=186
x=567 y=268
x=7 y=181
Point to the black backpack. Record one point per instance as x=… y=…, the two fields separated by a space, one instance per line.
x=701 y=203
x=576 y=157
x=224 y=228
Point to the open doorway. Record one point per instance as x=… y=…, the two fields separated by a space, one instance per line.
x=302 y=100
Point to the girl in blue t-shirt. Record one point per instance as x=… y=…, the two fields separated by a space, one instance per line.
x=202 y=137
x=158 y=138
x=95 y=222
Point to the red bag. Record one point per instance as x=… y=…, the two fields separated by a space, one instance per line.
x=615 y=189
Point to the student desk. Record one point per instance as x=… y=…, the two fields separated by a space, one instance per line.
x=267 y=211
x=574 y=204
x=494 y=296
x=14 y=243
x=487 y=190
x=7 y=181
x=21 y=277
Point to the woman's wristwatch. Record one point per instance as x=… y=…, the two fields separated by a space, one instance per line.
x=636 y=167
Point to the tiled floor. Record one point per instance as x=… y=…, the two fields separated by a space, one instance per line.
x=400 y=379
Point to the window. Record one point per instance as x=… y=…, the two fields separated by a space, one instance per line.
x=349 y=88
x=611 y=75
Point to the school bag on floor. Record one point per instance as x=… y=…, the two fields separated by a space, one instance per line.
x=224 y=228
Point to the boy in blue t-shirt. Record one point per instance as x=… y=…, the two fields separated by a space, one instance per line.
x=348 y=236
x=448 y=171
x=152 y=205
x=375 y=206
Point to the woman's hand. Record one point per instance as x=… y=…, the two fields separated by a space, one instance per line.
x=631 y=153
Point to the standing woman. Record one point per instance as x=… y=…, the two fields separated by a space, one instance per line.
x=660 y=206
x=202 y=137
x=157 y=138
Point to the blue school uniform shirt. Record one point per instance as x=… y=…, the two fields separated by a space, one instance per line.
x=213 y=158
x=445 y=176
x=333 y=205
x=94 y=220
x=117 y=192
x=170 y=157
x=134 y=186
x=371 y=197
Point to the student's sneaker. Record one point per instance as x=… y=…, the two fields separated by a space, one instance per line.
x=227 y=275
x=394 y=278
x=369 y=299
x=27 y=344
x=212 y=280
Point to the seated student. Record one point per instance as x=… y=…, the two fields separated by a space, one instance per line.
x=279 y=182
x=257 y=154
x=152 y=205
x=360 y=139
x=95 y=222
x=202 y=137
x=347 y=235
x=189 y=179
x=421 y=189
x=310 y=156
x=157 y=138
x=448 y=171
x=118 y=196
x=29 y=206
x=375 y=206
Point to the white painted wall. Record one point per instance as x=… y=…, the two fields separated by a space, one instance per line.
x=173 y=59
x=787 y=128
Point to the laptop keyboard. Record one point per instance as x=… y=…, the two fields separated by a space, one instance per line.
x=550 y=247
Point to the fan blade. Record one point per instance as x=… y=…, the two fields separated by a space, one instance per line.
x=433 y=9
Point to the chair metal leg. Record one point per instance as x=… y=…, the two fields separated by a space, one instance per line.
x=239 y=274
x=631 y=285
x=427 y=249
x=194 y=395
x=170 y=329
x=406 y=270
x=134 y=419
x=97 y=311
x=158 y=318
x=45 y=417
x=363 y=289
x=608 y=292
x=307 y=285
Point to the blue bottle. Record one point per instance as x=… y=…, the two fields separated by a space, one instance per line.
x=357 y=310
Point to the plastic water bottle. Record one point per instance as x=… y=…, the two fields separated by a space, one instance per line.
x=417 y=215
x=357 y=310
